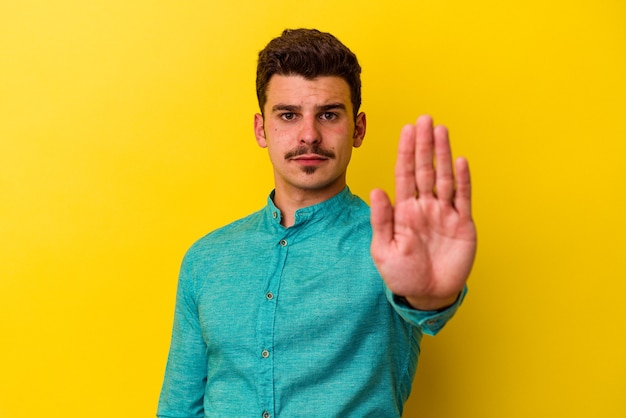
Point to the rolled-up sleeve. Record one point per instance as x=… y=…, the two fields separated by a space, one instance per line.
x=429 y=322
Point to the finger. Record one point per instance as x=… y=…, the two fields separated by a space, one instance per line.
x=405 y=165
x=463 y=194
x=424 y=170
x=381 y=219
x=443 y=156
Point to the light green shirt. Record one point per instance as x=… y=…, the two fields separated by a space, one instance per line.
x=286 y=322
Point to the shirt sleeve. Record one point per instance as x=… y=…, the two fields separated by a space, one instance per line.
x=183 y=387
x=430 y=322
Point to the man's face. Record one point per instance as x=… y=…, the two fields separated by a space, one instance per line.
x=309 y=131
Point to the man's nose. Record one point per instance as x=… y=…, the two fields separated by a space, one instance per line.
x=309 y=131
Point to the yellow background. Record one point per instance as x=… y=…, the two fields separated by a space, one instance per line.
x=126 y=134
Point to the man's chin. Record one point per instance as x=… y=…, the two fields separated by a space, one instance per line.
x=308 y=170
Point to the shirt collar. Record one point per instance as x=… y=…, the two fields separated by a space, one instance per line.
x=328 y=208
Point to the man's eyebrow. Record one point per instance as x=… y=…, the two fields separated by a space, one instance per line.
x=332 y=106
x=281 y=107
x=285 y=107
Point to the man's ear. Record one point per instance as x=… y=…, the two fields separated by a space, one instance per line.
x=259 y=130
x=359 y=130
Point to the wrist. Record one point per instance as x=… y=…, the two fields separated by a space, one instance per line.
x=430 y=304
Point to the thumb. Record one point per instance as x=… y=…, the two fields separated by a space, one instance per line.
x=381 y=220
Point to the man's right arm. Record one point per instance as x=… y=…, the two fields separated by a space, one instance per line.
x=185 y=375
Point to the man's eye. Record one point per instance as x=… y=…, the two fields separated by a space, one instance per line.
x=287 y=116
x=329 y=116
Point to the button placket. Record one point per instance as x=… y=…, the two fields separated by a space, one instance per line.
x=265 y=326
x=266 y=317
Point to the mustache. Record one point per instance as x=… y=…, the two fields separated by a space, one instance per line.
x=315 y=149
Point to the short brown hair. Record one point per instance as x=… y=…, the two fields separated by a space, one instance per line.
x=310 y=54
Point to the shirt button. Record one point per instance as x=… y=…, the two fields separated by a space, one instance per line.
x=266 y=414
x=283 y=242
x=269 y=296
x=275 y=215
x=265 y=354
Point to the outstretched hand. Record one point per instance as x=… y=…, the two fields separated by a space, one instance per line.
x=424 y=245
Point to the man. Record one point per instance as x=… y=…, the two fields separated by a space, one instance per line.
x=284 y=312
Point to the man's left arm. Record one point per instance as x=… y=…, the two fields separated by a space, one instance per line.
x=424 y=245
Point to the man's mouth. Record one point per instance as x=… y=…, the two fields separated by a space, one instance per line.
x=309 y=159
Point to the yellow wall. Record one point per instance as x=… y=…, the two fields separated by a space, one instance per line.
x=126 y=133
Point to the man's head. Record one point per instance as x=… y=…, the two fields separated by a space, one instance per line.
x=310 y=54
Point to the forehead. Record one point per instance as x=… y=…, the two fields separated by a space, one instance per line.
x=297 y=90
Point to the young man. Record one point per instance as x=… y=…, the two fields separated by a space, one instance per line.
x=314 y=306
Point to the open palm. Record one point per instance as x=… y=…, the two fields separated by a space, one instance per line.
x=424 y=245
